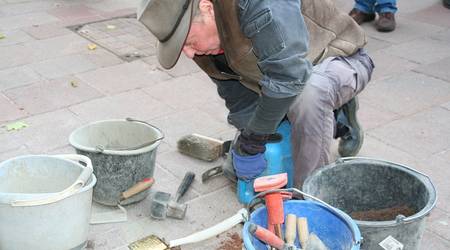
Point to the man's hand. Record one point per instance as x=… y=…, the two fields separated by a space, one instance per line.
x=248 y=155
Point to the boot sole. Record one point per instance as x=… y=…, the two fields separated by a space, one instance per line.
x=351 y=109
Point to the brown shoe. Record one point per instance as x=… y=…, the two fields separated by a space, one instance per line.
x=385 y=22
x=361 y=17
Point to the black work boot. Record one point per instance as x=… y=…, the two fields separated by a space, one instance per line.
x=446 y=3
x=348 y=129
x=361 y=17
x=385 y=22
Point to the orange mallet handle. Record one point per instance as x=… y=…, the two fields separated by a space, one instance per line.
x=266 y=236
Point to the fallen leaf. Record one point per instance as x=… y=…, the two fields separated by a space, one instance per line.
x=16 y=126
x=92 y=46
x=73 y=83
x=2 y=36
x=110 y=27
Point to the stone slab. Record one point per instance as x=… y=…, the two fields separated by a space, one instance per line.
x=15 y=55
x=102 y=58
x=387 y=65
x=63 y=66
x=25 y=20
x=123 y=77
x=438 y=69
x=423 y=51
x=435 y=14
x=421 y=135
x=12 y=37
x=57 y=46
x=75 y=12
x=439 y=223
x=10 y=111
x=20 y=8
x=17 y=76
x=374 y=44
x=407 y=93
x=372 y=117
x=135 y=104
x=52 y=95
x=47 y=30
x=21 y=150
x=406 y=30
x=432 y=241
x=415 y=5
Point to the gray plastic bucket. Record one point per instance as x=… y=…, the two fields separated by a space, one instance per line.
x=361 y=184
x=45 y=202
x=123 y=152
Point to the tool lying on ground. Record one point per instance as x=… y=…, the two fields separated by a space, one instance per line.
x=203 y=147
x=153 y=242
x=120 y=215
x=274 y=201
x=162 y=206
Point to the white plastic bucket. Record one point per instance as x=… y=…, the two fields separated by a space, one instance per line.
x=45 y=202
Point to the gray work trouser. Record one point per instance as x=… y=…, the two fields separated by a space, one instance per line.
x=333 y=83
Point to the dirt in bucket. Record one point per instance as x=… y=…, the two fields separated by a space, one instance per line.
x=384 y=214
x=234 y=242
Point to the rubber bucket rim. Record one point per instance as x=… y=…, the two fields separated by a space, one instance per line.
x=423 y=178
x=83 y=189
x=145 y=149
x=353 y=226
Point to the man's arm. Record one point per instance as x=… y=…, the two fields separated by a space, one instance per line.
x=280 y=41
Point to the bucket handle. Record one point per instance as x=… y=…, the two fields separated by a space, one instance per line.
x=72 y=189
x=399 y=219
x=332 y=209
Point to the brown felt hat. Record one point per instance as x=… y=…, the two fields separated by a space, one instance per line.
x=169 y=21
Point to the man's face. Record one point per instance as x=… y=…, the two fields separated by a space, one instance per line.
x=203 y=38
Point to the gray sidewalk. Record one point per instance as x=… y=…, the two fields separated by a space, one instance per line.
x=53 y=82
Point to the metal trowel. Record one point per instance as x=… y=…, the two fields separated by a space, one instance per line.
x=103 y=214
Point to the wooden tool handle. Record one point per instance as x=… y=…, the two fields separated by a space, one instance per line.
x=137 y=188
x=266 y=236
x=290 y=233
x=303 y=231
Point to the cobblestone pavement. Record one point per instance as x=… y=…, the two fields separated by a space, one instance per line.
x=53 y=82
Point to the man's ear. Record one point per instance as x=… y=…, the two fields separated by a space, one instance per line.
x=206 y=7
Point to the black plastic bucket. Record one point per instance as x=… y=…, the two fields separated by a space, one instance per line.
x=366 y=185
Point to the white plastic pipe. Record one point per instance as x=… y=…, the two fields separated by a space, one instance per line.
x=212 y=231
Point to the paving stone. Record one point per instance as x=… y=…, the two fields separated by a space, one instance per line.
x=422 y=134
x=376 y=148
x=63 y=66
x=407 y=93
x=439 y=223
x=438 y=69
x=47 y=30
x=435 y=14
x=114 y=5
x=435 y=50
x=371 y=116
x=436 y=167
x=123 y=77
x=414 y=5
x=17 y=76
x=27 y=7
x=14 y=37
x=57 y=46
x=135 y=104
x=70 y=13
x=15 y=55
x=10 y=111
x=46 y=131
x=183 y=67
x=22 y=150
x=446 y=105
x=186 y=122
x=9 y=143
x=19 y=21
x=102 y=58
x=184 y=92
x=171 y=161
x=406 y=30
x=432 y=241
x=443 y=35
x=108 y=240
x=387 y=65
x=374 y=44
x=51 y=95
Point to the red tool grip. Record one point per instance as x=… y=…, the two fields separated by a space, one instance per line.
x=266 y=236
x=275 y=212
